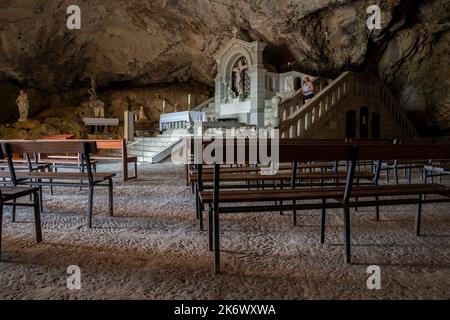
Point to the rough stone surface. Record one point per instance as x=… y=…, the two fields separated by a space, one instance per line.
x=152 y=249
x=152 y=42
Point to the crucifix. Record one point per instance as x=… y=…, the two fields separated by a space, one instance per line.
x=239 y=75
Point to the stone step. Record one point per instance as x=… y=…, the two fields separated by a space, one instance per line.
x=145 y=159
x=153 y=143
x=146 y=148
x=147 y=154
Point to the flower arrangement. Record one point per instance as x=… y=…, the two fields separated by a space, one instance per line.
x=243 y=96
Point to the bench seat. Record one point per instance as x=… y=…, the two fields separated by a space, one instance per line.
x=11 y=193
x=321 y=165
x=227 y=196
x=230 y=177
x=98 y=177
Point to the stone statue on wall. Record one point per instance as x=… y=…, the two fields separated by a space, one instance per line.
x=239 y=76
x=23 y=105
x=141 y=115
x=96 y=106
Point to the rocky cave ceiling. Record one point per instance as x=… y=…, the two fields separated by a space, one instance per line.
x=143 y=42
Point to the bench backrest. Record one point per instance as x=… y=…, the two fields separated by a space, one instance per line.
x=252 y=152
x=404 y=152
x=111 y=144
x=46 y=147
x=288 y=148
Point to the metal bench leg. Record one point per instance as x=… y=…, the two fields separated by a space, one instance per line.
x=377 y=210
x=418 y=216
x=200 y=214
x=409 y=175
x=13 y=212
x=294 y=215
x=216 y=242
x=197 y=205
x=210 y=227
x=90 y=205
x=51 y=181
x=37 y=217
x=41 y=199
x=347 y=234
x=322 y=223
x=1 y=225
x=396 y=175
x=111 y=197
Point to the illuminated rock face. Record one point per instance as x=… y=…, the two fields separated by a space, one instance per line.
x=141 y=43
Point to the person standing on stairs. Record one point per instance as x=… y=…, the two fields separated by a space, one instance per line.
x=309 y=89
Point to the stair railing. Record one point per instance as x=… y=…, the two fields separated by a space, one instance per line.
x=294 y=124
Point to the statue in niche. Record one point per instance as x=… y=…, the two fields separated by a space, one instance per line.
x=23 y=105
x=96 y=106
x=141 y=115
x=240 y=77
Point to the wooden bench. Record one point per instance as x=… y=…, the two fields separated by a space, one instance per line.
x=75 y=160
x=222 y=201
x=249 y=177
x=63 y=179
x=191 y=169
x=9 y=196
x=124 y=157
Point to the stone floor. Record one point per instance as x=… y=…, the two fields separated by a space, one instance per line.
x=152 y=249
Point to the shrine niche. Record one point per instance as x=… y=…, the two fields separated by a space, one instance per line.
x=241 y=79
x=240 y=89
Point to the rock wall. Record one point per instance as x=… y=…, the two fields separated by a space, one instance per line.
x=142 y=43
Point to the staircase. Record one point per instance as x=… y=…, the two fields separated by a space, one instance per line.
x=155 y=149
x=300 y=120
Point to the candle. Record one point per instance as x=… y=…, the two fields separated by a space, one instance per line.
x=164 y=105
x=189 y=102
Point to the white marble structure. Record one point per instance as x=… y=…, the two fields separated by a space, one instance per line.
x=246 y=93
x=244 y=88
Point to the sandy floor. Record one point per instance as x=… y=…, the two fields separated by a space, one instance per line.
x=152 y=249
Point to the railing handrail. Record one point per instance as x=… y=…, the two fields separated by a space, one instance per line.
x=299 y=92
x=338 y=90
x=203 y=104
x=314 y=100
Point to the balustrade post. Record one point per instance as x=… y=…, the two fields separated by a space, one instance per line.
x=308 y=120
x=291 y=131
x=300 y=127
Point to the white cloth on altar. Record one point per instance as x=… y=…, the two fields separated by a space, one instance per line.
x=184 y=116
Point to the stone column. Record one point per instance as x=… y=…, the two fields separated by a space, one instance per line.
x=258 y=85
x=129 y=125
x=219 y=92
x=258 y=95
